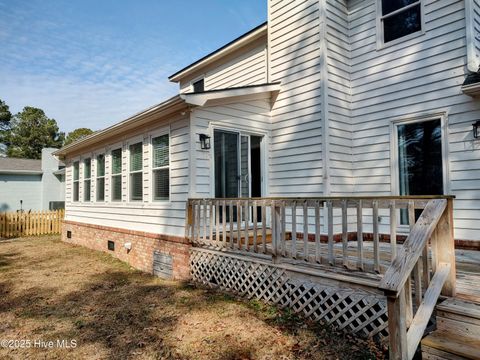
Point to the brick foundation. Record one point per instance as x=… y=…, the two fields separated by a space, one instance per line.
x=143 y=245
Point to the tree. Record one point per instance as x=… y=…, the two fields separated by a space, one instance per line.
x=77 y=134
x=31 y=130
x=5 y=118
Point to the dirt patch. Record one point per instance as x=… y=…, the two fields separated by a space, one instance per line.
x=53 y=291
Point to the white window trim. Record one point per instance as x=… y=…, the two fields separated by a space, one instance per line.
x=381 y=44
x=264 y=151
x=98 y=177
x=133 y=141
x=394 y=171
x=195 y=79
x=110 y=190
x=152 y=135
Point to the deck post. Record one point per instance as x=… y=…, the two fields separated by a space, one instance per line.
x=188 y=219
x=446 y=248
x=397 y=327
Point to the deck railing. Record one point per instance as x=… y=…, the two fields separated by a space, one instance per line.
x=411 y=285
x=413 y=265
x=331 y=231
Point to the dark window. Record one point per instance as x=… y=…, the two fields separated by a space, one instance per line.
x=420 y=160
x=400 y=18
x=111 y=245
x=199 y=86
x=100 y=177
x=76 y=187
x=69 y=234
x=87 y=173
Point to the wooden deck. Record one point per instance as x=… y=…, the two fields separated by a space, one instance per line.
x=318 y=237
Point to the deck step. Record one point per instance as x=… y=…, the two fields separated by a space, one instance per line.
x=460 y=310
x=458 y=332
x=441 y=345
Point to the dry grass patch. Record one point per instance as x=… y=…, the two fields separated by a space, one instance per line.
x=50 y=290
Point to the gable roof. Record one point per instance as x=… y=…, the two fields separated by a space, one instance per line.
x=240 y=41
x=20 y=166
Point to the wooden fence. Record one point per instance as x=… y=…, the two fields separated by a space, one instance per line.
x=15 y=224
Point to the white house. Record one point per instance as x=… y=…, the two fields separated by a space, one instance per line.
x=29 y=184
x=327 y=98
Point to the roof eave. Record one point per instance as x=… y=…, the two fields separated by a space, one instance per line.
x=471 y=89
x=21 y=172
x=201 y=98
x=239 y=42
x=162 y=109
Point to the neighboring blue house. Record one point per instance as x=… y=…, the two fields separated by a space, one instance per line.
x=32 y=184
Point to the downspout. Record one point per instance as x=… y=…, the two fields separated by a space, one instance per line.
x=324 y=97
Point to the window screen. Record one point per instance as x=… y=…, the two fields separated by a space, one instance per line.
x=100 y=177
x=161 y=167
x=136 y=165
x=76 y=174
x=87 y=173
x=116 y=187
x=199 y=86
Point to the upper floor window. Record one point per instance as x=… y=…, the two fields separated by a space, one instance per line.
x=199 y=86
x=400 y=18
x=136 y=178
x=76 y=178
x=100 y=177
x=161 y=167
x=87 y=173
x=116 y=183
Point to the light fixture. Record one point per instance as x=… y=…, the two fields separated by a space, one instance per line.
x=204 y=142
x=476 y=125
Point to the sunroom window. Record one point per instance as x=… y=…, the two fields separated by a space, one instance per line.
x=136 y=179
x=161 y=168
x=100 y=177
x=116 y=185
x=400 y=18
x=76 y=179
x=87 y=174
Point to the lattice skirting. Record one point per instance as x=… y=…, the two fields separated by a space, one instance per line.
x=354 y=310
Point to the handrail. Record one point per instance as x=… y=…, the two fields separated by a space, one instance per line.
x=406 y=330
x=408 y=255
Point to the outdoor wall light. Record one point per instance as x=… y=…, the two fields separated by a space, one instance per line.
x=204 y=142
x=476 y=133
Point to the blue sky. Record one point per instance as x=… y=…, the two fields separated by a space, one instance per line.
x=92 y=63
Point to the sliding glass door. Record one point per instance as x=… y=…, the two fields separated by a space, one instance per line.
x=237 y=160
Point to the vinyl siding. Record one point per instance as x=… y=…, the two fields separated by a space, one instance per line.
x=339 y=98
x=149 y=216
x=422 y=75
x=247 y=66
x=252 y=116
x=294 y=60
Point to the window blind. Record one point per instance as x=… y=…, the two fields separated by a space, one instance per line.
x=160 y=151
x=136 y=157
x=75 y=170
x=116 y=161
x=136 y=178
x=100 y=165
x=116 y=186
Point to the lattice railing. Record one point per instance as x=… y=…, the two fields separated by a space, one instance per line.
x=355 y=311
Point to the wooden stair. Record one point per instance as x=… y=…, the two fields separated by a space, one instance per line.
x=458 y=332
